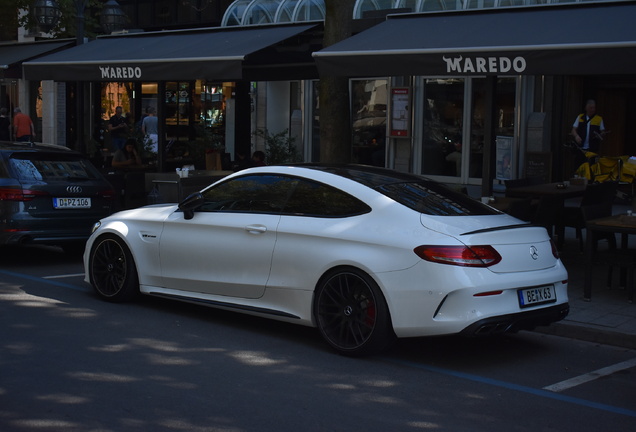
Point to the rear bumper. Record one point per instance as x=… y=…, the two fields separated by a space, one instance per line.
x=40 y=237
x=527 y=320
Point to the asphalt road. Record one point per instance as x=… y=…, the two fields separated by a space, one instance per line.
x=70 y=362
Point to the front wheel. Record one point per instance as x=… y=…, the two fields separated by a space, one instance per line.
x=351 y=313
x=112 y=270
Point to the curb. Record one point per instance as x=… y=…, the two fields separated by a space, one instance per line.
x=590 y=334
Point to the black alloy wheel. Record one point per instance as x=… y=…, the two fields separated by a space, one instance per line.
x=112 y=270
x=351 y=313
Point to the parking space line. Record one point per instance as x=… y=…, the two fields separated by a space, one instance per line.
x=515 y=387
x=63 y=276
x=582 y=379
x=47 y=281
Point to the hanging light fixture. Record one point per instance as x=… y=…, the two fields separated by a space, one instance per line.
x=47 y=13
x=112 y=17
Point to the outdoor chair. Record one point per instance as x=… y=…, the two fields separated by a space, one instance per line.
x=546 y=213
x=610 y=256
x=595 y=193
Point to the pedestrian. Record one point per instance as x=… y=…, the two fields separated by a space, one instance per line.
x=118 y=128
x=149 y=127
x=22 y=126
x=258 y=159
x=127 y=157
x=5 y=125
x=588 y=129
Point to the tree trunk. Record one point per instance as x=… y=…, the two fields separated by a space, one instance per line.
x=335 y=122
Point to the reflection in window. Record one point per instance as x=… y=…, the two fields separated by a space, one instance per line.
x=434 y=199
x=253 y=194
x=319 y=200
x=50 y=168
x=443 y=114
x=369 y=106
x=505 y=102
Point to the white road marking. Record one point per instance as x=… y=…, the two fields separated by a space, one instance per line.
x=581 y=379
x=63 y=276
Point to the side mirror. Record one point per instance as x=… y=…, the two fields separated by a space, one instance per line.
x=190 y=204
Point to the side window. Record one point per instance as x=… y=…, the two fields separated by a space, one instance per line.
x=319 y=200
x=249 y=194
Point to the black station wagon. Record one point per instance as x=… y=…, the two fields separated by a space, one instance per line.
x=50 y=194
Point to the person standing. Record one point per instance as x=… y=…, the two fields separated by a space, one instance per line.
x=588 y=128
x=118 y=128
x=150 y=129
x=5 y=125
x=23 y=129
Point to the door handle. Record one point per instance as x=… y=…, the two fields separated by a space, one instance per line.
x=256 y=229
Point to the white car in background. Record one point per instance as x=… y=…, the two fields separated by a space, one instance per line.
x=364 y=254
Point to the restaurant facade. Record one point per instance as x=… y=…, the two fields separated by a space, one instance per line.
x=460 y=91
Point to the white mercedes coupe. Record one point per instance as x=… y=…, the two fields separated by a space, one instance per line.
x=364 y=254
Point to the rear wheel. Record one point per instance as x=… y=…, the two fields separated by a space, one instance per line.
x=112 y=270
x=351 y=313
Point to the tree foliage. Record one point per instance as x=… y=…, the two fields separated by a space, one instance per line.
x=280 y=148
x=67 y=25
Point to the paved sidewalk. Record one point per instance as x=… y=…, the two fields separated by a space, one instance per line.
x=608 y=318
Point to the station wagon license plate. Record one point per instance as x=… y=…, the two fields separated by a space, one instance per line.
x=71 y=203
x=536 y=296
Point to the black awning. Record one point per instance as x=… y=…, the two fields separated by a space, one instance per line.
x=580 y=39
x=219 y=53
x=13 y=54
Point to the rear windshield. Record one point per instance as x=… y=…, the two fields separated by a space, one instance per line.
x=435 y=199
x=32 y=166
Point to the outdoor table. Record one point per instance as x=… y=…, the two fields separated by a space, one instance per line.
x=559 y=191
x=624 y=224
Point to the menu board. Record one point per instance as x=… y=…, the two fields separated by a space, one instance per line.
x=539 y=164
x=400 y=112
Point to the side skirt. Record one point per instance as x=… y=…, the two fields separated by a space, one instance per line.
x=224 y=305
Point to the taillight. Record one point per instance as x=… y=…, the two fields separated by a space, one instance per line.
x=19 y=194
x=108 y=194
x=555 y=251
x=473 y=256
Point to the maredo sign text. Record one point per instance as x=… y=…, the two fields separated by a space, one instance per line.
x=125 y=72
x=464 y=65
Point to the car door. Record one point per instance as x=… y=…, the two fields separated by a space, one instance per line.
x=226 y=248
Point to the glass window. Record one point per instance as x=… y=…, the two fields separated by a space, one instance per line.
x=319 y=200
x=250 y=194
x=443 y=115
x=480 y=4
x=309 y=10
x=505 y=103
x=234 y=14
x=369 y=100
x=50 y=167
x=434 y=199
x=285 y=11
x=362 y=6
x=260 y=12
x=440 y=5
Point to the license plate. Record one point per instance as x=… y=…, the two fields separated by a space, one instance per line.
x=536 y=296
x=71 y=203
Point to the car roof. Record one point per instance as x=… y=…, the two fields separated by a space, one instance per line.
x=370 y=176
x=35 y=147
